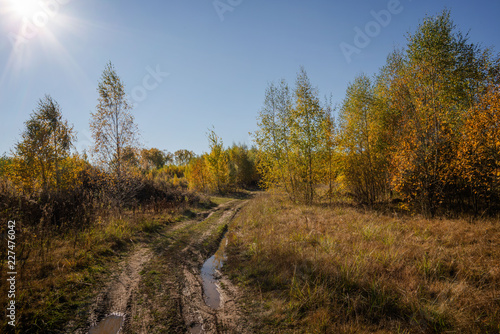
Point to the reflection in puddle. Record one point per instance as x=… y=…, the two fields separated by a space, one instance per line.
x=210 y=274
x=109 y=325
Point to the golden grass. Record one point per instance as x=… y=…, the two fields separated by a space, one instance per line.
x=343 y=270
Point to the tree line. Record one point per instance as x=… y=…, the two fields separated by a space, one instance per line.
x=63 y=200
x=50 y=186
x=223 y=170
x=423 y=131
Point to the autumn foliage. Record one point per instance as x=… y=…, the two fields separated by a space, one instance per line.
x=424 y=131
x=479 y=152
x=222 y=170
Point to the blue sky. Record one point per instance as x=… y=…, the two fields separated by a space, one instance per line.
x=218 y=63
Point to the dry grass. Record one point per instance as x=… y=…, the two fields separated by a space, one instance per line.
x=342 y=270
x=58 y=275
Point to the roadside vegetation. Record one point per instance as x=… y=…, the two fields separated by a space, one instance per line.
x=78 y=213
x=384 y=220
x=381 y=213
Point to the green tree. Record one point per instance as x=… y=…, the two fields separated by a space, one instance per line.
x=5 y=162
x=243 y=166
x=273 y=140
x=306 y=134
x=45 y=143
x=291 y=139
x=182 y=157
x=364 y=162
x=112 y=125
x=154 y=158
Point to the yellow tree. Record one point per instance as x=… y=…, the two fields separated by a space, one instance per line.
x=242 y=162
x=330 y=157
x=197 y=173
x=45 y=144
x=306 y=134
x=218 y=163
x=273 y=140
x=442 y=73
x=479 y=151
x=364 y=160
x=291 y=139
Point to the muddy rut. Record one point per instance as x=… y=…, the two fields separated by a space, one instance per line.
x=199 y=317
x=116 y=297
x=177 y=289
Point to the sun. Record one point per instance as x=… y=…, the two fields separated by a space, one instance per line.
x=25 y=8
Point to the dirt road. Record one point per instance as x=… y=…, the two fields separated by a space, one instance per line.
x=157 y=288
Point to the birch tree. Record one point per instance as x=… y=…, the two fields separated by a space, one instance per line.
x=479 y=152
x=45 y=143
x=112 y=124
x=444 y=77
x=364 y=161
x=306 y=134
x=217 y=161
x=273 y=140
x=291 y=139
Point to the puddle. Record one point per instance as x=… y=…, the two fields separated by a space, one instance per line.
x=210 y=275
x=109 y=325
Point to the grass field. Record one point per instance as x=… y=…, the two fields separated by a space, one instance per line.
x=59 y=276
x=346 y=270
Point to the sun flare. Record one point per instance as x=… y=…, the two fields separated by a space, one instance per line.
x=25 y=8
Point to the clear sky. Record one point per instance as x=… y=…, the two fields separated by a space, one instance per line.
x=211 y=60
